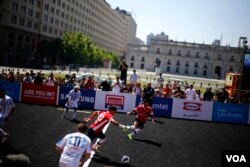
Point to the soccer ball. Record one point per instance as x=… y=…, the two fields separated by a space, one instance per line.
x=125 y=159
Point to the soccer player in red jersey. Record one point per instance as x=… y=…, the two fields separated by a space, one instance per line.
x=143 y=111
x=103 y=118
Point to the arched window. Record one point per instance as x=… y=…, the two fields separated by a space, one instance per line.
x=196 y=65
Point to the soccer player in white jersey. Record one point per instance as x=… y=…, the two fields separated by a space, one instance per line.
x=102 y=119
x=7 y=107
x=72 y=101
x=75 y=148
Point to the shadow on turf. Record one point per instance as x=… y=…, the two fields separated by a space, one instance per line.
x=73 y=121
x=149 y=142
x=106 y=161
x=11 y=157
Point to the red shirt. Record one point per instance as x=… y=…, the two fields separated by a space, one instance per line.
x=103 y=119
x=143 y=113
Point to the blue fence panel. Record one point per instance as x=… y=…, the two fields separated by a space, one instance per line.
x=11 y=89
x=230 y=113
x=162 y=107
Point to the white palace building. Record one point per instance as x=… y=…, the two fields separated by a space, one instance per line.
x=185 y=58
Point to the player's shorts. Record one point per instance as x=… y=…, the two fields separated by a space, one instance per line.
x=92 y=135
x=140 y=123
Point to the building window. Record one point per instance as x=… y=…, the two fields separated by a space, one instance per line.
x=232 y=58
x=195 y=71
x=23 y=10
x=142 y=59
x=56 y=22
x=37 y=15
x=46 y=7
x=168 y=69
x=169 y=62
x=62 y=15
x=55 y=31
x=132 y=58
x=158 y=51
x=177 y=70
x=36 y=26
x=206 y=56
x=188 y=54
x=51 y=20
x=219 y=57
x=187 y=64
x=142 y=66
x=131 y=65
x=204 y=73
x=45 y=18
x=14 y=6
x=31 y=2
x=50 y=30
x=61 y=24
x=197 y=55
x=170 y=52
x=59 y=2
x=178 y=62
x=44 y=28
x=57 y=12
x=30 y=13
x=29 y=24
x=205 y=66
x=179 y=53
x=52 y=9
x=231 y=69
x=186 y=70
x=38 y=3
x=196 y=65
x=13 y=19
x=22 y=22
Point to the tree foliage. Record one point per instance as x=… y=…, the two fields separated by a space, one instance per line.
x=80 y=50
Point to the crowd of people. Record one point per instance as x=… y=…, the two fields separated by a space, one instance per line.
x=166 y=89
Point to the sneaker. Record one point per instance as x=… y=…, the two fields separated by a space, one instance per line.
x=95 y=147
x=130 y=137
x=126 y=128
x=5 y=138
x=63 y=116
x=74 y=120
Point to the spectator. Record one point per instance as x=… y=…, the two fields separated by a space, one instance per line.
x=208 y=95
x=38 y=79
x=167 y=91
x=109 y=80
x=117 y=85
x=127 y=88
x=148 y=93
x=133 y=78
x=105 y=86
x=11 y=77
x=123 y=69
x=198 y=96
x=89 y=83
x=190 y=93
x=27 y=79
x=51 y=81
x=137 y=90
x=223 y=96
x=160 y=79
x=178 y=93
x=7 y=107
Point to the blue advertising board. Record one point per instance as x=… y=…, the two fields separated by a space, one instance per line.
x=162 y=107
x=87 y=100
x=11 y=89
x=230 y=113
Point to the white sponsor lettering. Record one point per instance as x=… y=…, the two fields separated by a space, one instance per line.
x=236 y=158
x=160 y=106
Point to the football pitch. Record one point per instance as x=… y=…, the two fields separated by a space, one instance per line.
x=35 y=129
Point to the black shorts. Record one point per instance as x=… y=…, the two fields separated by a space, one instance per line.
x=92 y=135
x=140 y=123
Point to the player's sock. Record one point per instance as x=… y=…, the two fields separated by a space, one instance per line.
x=132 y=127
x=74 y=114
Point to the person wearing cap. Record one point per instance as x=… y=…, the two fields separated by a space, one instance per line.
x=123 y=69
x=72 y=98
x=7 y=107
